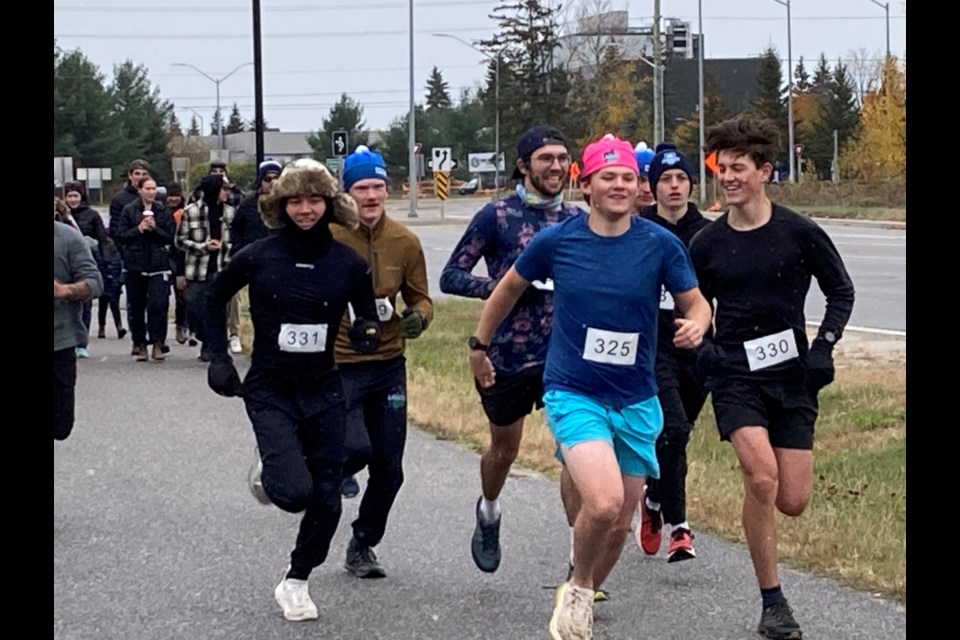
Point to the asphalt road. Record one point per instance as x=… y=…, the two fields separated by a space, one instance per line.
x=157 y=537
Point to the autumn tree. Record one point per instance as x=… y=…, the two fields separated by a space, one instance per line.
x=879 y=151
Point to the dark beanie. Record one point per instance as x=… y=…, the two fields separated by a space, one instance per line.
x=211 y=186
x=174 y=189
x=668 y=157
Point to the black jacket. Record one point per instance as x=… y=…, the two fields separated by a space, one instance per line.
x=148 y=251
x=247 y=225
x=122 y=199
x=91 y=225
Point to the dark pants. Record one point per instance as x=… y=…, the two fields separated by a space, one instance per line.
x=180 y=308
x=87 y=317
x=681 y=404
x=376 y=395
x=196 y=299
x=64 y=391
x=149 y=298
x=113 y=304
x=300 y=432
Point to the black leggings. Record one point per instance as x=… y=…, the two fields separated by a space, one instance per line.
x=105 y=302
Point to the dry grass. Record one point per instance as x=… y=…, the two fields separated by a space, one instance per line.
x=855 y=527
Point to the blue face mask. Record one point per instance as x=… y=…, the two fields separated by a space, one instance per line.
x=535 y=201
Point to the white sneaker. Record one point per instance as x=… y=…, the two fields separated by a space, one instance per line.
x=572 y=613
x=235 y=345
x=293 y=596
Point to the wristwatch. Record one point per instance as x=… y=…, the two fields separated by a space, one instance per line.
x=830 y=337
x=476 y=345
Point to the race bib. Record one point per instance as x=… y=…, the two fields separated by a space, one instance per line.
x=666 y=300
x=770 y=350
x=543 y=285
x=384 y=310
x=611 y=347
x=302 y=338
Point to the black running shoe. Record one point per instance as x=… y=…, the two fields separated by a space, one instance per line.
x=349 y=488
x=485 y=546
x=777 y=623
x=362 y=561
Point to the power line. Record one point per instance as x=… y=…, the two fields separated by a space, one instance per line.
x=220 y=9
x=305 y=71
x=246 y=36
x=310 y=95
x=780 y=19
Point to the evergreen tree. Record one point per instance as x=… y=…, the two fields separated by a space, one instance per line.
x=174 y=130
x=194 y=127
x=801 y=81
x=81 y=112
x=840 y=114
x=438 y=91
x=140 y=117
x=215 y=123
x=345 y=115
x=771 y=101
x=235 y=124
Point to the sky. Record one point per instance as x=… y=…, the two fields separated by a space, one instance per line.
x=314 y=50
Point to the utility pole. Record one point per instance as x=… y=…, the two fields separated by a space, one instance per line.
x=411 y=151
x=792 y=149
x=657 y=78
x=886 y=7
x=700 y=106
x=257 y=83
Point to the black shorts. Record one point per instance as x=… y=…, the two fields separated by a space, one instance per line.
x=786 y=408
x=513 y=396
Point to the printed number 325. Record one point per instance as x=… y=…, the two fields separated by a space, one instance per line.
x=612 y=347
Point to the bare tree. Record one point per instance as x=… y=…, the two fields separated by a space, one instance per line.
x=865 y=70
x=589 y=33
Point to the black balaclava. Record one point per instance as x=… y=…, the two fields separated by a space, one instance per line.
x=211 y=186
x=310 y=245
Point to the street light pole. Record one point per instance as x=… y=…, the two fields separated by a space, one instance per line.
x=701 y=109
x=496 y=99
x=885 y=7
x=791 y=151
x=658 y=132
x=217 y=82
x=412 y=129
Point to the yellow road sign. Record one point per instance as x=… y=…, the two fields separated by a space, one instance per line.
x=441 y=180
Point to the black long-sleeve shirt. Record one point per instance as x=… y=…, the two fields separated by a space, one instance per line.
x=308 y=286
x=760 y=279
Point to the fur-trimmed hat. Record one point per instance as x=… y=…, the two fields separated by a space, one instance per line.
x=307 y=177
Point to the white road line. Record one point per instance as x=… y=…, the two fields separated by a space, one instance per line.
x=884 y=332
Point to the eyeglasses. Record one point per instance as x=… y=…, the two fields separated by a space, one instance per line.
x=269 y=178
x=548 y=160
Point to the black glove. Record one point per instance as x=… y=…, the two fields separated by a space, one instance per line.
x=364 y=336
x=411 y=324
x=819 y=365
x=709 y=356
x=223 y=378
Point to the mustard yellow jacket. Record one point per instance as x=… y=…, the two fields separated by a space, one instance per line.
x=397 y=266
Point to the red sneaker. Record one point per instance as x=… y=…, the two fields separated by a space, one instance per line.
x=649 y=533
x=681 y=546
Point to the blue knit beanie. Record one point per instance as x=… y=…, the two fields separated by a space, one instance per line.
x=668 y=157
x=361 y=165
x=644 y=157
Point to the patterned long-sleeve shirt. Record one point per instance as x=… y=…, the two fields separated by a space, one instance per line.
x=498 y=234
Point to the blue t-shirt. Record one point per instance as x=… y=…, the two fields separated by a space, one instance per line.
x=606 y=300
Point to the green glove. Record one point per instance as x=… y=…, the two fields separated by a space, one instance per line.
x=411 y=324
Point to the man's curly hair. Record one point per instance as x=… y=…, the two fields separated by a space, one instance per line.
x=747 y=133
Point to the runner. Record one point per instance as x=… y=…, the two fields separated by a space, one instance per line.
x=600 y=398
x=757 y=261
x=375 y=385
x=680 y=391
x=518 y=348
x=646 y=195
x=300 y=281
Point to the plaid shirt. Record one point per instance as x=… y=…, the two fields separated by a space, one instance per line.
x=192 y=235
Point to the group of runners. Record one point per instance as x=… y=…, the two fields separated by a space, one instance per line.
x=617 y=320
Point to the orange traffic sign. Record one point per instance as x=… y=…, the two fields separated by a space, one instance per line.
x=574 y=170
x=711 y=162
